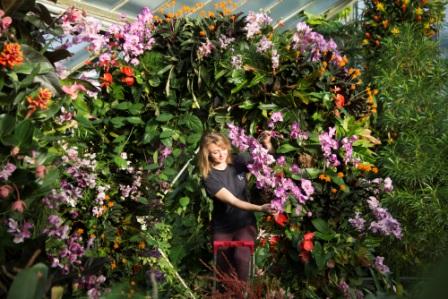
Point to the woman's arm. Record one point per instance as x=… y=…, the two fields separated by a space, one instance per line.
x=226 y=196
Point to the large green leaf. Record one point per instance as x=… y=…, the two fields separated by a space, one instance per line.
x=193 y=122
x=7 y=123
x=151 y=131
x=23 y=133
x=321 y=225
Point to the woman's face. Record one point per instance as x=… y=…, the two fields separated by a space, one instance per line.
x=217 y=154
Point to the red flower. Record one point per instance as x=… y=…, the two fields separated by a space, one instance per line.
x=129 y=81
x=127 y=71
x=306 y=246
x=107 y=80
x=281 y=219
x=308 y=236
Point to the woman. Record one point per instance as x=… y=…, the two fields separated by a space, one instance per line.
x=225 y=182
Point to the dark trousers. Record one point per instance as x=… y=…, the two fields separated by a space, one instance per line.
x=236 y=259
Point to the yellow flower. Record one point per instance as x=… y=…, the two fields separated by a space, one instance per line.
x=395 y=30
x=380 y=6
x=418 y=11
x=365 y=42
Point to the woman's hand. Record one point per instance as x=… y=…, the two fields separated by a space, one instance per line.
x=267 y=208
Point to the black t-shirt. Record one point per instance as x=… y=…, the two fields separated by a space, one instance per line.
x=227 y=218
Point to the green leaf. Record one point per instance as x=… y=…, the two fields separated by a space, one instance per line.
x=150 y=133
x=312 y=172
x=122 y=105
x=267 y=106
x=220 y=74
x=184 y=201
x=164 y=117
x=23 y=134
x=286 y=148
x=29 y=283
x=120 y=162
x=239 y=87
x=247 y=105
x=319 y=256
x=325 y=236
x=321 y=225
x=24 y=68
x=81 y=105
x=193 y=122
x=135 y=120
x=337 y=180
x=166 y=133
x=118 y=122
x=136 y=108
x=7 y=123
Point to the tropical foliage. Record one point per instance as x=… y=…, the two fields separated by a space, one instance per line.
x=97 y=169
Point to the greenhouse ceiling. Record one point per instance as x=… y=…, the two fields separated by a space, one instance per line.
x=284 y=12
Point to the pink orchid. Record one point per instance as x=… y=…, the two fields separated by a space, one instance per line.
x=73 y=90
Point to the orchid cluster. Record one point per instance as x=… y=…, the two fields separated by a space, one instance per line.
x=93 y=285
x=266 y=172
x=330 y=146
x=306 y=40
x=134 y=38
x=255 y=23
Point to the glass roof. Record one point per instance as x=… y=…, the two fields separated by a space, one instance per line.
x=285 y=12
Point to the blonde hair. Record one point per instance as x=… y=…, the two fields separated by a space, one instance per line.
x=204 y=162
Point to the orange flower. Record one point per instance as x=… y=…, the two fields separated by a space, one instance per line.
x=340 y=101
x=334 y=190
x=325 y=178
x=340 y=174
x=141 y=245
x=39 y=102
x=202 y=33
x=11 y=55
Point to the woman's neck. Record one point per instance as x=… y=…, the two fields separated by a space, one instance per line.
x=220 y=166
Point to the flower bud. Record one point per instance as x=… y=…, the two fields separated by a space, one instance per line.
x=19 y=206
x=41 y=170
x=5 y=190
